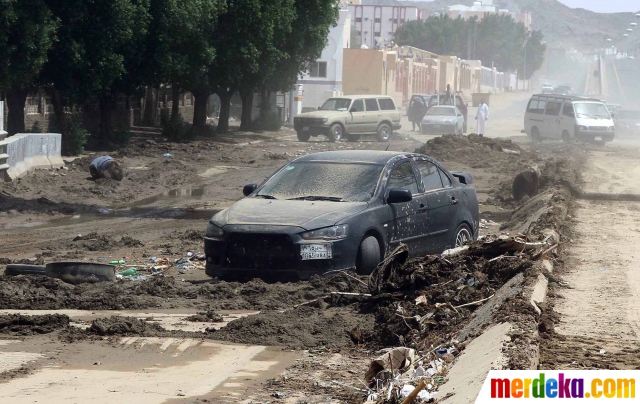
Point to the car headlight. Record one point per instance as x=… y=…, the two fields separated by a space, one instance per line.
x=325 y=120
x=214 y=231
x=611 y=128
x=328 y=233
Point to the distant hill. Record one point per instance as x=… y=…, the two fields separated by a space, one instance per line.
x=561 y=25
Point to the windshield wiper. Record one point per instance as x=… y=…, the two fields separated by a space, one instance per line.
x=266 y=196
x=317 y=198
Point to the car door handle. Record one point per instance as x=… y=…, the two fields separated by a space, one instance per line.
x=453 y=200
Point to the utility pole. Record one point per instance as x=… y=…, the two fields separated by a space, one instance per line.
x=524 y=67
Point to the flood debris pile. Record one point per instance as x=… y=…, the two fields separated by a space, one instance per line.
x=118 y=325
x=423 y=304
x=476 y=151
x=206 y=317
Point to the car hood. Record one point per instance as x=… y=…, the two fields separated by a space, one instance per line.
x=308 y=215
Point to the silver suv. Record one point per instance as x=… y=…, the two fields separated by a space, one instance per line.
x=350 y=117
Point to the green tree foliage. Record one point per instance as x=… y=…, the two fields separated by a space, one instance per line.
x=27 y=32
x=496 y=39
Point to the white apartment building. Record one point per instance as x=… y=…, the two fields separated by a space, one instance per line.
x=380 y=22
x=325 y=76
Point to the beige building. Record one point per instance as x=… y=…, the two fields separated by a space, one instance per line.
x=405 y=71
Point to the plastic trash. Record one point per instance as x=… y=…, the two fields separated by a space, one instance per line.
x=129 y=272
x=166 y=155
x=116 y=262
x=601 y=269
x=189 y=254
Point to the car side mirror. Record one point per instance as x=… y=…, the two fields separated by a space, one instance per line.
x=249 y=189
x=399 y=196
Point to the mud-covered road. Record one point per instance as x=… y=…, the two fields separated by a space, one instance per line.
x=182 y=337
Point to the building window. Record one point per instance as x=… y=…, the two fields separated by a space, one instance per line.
x=377 y=20
x=376 y=33
x=402 y=21
x=358 y=19
x=318 y=69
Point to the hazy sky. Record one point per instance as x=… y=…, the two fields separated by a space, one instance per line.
x=604 y=6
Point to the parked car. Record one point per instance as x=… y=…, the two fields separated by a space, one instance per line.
x=627 y=122
x=552 y=116
x=341 y=210
x=350 y=117
x=442 y=120
x=547 y=88
x=455 y=100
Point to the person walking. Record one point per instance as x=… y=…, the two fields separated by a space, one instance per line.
x=482 y=117
x=417 y=111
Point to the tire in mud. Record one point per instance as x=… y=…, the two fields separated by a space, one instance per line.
x=20 y=269
x=462 y=236
x=303 y=137
x=76 y=273
x=369 y=256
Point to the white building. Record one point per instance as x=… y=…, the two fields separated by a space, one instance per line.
x=380 y=22
x=325 y=77
x=480 y=8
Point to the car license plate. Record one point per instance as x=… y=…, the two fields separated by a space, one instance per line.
x=316 y=252
x=598 y=138
x=305 y=129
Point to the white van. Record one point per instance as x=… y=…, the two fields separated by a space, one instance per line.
x=568 y=117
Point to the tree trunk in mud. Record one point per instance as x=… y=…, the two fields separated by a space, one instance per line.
x=16 y=99
x=265 y=105
x=200 y=109
x=247 y=109
x=58 y=111
x=225 y=110
x=150 y=107
x=106 y=124
x=175 y=106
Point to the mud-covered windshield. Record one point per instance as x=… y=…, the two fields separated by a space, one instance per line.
x=336 y=104
x=591 y=110
x=441 y=111
x=338 y=182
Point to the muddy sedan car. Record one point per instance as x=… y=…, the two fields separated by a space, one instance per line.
x=341 y=210
x=443 y=120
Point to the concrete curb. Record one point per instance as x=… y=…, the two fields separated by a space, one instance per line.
x=26 y=151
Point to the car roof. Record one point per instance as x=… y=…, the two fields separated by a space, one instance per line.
x=558 y=97
x=364 y=96
x=444 y=106
x=353 y=156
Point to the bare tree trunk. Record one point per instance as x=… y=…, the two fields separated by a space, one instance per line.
x=150 y=107
x=16 y=100
x=106 y=124
x=200 y=109
x=225 y=110
x=58 y=111
x=175 y=106
x=247 y=109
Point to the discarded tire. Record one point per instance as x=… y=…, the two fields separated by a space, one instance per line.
x=20 y=269
x=81 y=272
x=526 y=183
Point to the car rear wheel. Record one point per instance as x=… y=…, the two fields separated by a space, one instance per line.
x=335 y=132
x=353 y=137
x=535 y=136
x=462 y=236
x=369 y=256
x=384 y=133
x=303 y=137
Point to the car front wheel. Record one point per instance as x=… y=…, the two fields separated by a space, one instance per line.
x=462 y=236
x=303 y=137
x=369 y=256
x=384 y=132
x=335 y=132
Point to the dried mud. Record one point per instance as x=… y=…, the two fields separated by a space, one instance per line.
x=20 y=325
